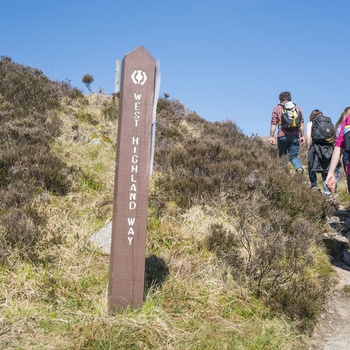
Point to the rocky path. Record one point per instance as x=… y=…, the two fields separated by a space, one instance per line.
x=333 y=330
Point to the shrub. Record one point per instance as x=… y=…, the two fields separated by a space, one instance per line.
x=275 y=223
x=110 y=108
x=28 y=109
x=88 y=79
x=199 y=160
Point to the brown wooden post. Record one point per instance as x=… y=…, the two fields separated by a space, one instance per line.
x=128 y=244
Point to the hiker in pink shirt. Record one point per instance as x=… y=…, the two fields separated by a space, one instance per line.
x=339 y=147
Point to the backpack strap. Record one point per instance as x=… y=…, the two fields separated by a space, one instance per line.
x=283 y=110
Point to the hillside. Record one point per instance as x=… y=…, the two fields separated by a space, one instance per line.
x=235 y=256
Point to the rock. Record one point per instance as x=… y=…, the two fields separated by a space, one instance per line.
x=103 y=238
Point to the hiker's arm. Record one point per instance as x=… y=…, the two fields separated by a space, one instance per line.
x=302 y=139
x=272 y=133
x=308 y=135
x=335 y=159
x=330 y=180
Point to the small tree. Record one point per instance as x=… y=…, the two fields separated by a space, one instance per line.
x=88 y=80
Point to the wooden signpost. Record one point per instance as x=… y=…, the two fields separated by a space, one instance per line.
x=134 y=143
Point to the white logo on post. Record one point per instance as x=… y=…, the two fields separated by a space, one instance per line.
x=139 y=77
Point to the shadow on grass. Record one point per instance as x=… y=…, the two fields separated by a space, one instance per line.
x=155 y=273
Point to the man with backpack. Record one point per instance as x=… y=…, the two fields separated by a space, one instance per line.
x=290 y=135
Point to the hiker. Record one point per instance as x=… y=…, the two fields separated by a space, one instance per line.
x=290 y=135
x=312 y=174
x=320 y=136
x=344 y=156
x=340 y=147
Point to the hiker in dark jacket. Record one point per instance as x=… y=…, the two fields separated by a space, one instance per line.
x=320 y=151
x=312 y=174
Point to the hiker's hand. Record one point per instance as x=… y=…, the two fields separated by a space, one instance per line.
x=330 y=182
x=272 y=140
x=302 y=140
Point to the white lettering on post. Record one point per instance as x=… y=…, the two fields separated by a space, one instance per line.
x=131 y=221
x=137 y=97
x=134 y=159
x=135 y=141
x=134 y=167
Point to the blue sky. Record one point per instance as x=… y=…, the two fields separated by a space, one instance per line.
x=224 y=59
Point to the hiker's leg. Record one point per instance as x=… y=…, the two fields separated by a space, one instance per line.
x=293 y=151
x=312 y=176
x=325 y=188
x=337 y=175
x=282 y=146
x=345 y=161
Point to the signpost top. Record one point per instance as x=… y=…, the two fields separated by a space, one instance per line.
x=138 y=53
